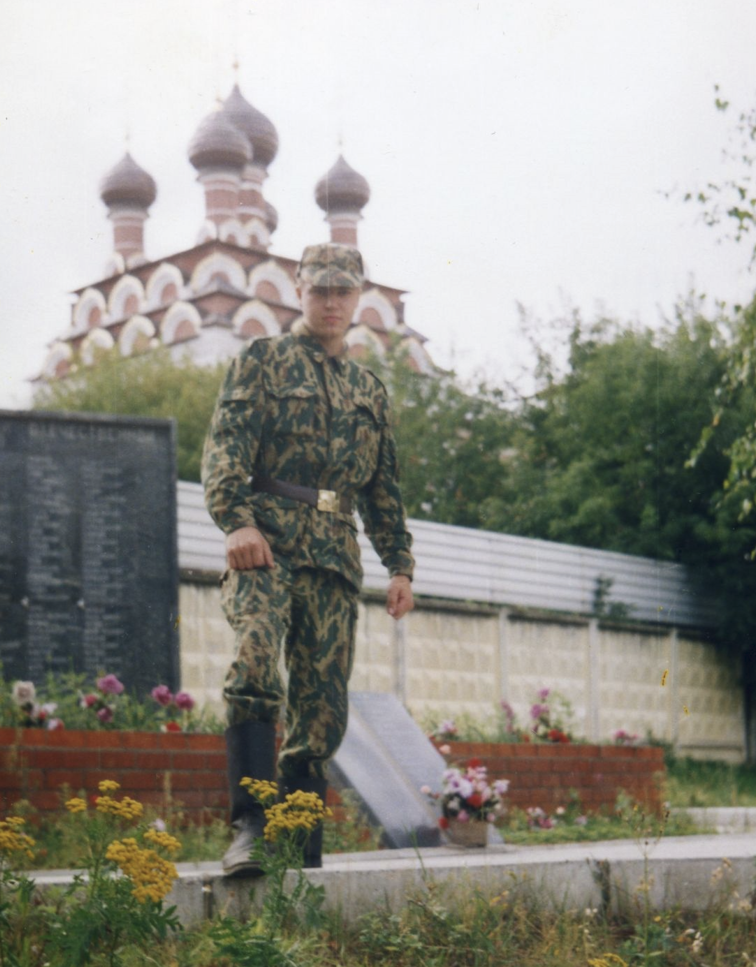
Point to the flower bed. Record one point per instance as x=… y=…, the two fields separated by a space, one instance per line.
x=182 y=770
x=548 y=776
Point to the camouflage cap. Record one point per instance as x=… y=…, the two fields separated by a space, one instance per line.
x=331 y=264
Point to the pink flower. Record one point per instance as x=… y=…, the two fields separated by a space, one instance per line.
x=425 y=790
x=87 y=701
x=105 y=714
x=23 y=693
x=162 y=695
x=184 y=701
x=444 y=749
x=109 y=685
x=463 y=815
x=537 y=710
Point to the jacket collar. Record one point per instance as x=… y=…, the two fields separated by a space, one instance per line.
x=314 y=349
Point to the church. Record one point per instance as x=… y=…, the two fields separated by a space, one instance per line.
x=207 y=301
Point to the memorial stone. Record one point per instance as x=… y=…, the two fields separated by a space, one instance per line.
x=88 y=556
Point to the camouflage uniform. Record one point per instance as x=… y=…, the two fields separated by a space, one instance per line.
x=289 y=411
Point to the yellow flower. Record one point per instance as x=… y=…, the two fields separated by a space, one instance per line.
x=108 y=785
x=125 y=808
x=159 y=838
x=300 y=811
x=262 y=790
x=151 y=875
x=14 y=841
x=76 y=805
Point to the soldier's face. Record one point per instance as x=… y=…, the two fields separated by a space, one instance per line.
x=328 y=313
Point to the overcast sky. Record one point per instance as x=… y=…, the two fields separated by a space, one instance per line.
x=517 y=151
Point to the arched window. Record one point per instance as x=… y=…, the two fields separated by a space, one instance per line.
x=163 y=286
x=253 y=319
x=257 y=233
x=136 y=336
x=271 y=282
x=126 y=299
x=362 y=342
x=90 y=310
x=217 y=266
x=234 y=232
x=375 y=310
x=58 y=361
x=181 y=322
x=95 y=344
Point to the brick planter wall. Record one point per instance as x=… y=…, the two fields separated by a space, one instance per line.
x=153 y=767
x=189 y=771
x=544 y=775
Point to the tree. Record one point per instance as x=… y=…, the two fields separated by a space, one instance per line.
x=728 y=202
x=452 y=443
x=148 y=385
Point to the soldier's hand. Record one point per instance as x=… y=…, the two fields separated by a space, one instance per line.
x=399 y=599
x=246 y=549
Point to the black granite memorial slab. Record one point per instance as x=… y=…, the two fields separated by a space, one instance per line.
x=88 y=555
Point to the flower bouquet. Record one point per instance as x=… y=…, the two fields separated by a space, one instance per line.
x=469 y=803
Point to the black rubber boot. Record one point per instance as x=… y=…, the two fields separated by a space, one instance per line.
x=250 y=751
x=313 y=843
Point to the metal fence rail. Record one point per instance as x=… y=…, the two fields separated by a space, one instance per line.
x=459 y=563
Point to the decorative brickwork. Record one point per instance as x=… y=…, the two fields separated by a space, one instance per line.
x=546 y=775
x=189 y=771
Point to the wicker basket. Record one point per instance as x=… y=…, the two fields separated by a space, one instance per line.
x=473 y=833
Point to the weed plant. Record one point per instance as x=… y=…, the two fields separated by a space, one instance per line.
x=691 y=782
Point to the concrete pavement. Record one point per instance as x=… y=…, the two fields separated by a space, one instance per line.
x=694 y=872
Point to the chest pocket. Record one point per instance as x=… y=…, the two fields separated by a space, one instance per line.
x=294 y=409
x=368 y=424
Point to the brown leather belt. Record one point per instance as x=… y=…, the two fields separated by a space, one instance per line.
x=325 y=500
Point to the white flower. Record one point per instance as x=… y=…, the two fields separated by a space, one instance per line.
x=23 y=693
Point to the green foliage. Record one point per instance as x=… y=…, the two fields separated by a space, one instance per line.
x=450 y=441
x=99 y=915
x=728 y=201
x=692 y=782
x=148 y=385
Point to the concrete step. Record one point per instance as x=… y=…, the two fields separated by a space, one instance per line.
x=692 y=872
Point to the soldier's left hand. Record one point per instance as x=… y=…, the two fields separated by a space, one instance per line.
x=399 y=599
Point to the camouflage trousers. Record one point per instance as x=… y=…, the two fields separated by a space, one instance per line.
x=313 y=614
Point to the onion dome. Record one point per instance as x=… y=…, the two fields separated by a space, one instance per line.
x=342 y=189
x=258 y=128
x=128 y=184
x=271 y=217
x=218 y=143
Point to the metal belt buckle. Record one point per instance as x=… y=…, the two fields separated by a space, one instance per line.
x=328 y=501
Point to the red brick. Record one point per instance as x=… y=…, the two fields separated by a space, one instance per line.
x=56 y=778
x=11 y=779
x=142 y=740
x=190 y=761
x=216 y=761
x=117 y=759
x=58 y=759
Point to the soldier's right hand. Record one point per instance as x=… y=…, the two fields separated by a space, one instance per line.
x=247 y=549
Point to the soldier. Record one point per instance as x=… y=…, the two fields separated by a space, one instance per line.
x=300 y=435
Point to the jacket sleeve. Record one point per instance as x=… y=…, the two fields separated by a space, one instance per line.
x=232 y=444
x=382 y=511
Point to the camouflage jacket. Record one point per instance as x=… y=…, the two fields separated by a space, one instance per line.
x=287 y=410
